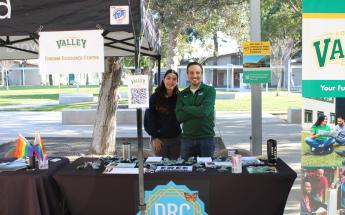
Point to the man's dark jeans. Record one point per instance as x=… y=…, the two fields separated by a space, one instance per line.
x=202 y=147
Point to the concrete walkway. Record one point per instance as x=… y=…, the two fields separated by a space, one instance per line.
x=233 y=127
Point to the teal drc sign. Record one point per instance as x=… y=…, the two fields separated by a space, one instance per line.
x=172 y=199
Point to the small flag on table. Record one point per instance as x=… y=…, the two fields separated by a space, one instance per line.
x=39 y=147
x=23 y=147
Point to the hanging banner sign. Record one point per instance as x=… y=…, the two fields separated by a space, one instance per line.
x=256 y=62
x=173 y=199
x=323 y=40
x=138 y=91
x=71 y=52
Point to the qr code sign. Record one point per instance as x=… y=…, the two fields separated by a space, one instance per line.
x=139 y=96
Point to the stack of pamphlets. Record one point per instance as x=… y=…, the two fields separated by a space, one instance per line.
x=262 y=169
x=13 y=165
x=121 y=168
x=154 y=159
x=174 y=169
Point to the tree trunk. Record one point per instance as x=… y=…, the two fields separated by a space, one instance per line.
x=172 y=60
x=151 y=75
x=281 y=53
x=149 y=71
x=215 y=57
x=2 y=77
x=105 y=126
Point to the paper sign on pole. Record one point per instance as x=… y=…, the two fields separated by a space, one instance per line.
x=256 y=62
x=138 y=91
x=71 y=52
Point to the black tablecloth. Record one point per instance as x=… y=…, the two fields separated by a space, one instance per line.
x=30 y=192
x=89 y=192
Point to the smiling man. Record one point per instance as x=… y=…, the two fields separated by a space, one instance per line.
x=195 y=110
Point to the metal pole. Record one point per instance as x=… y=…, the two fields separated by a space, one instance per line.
x=7 y=82
x=142 y=206
x=23 y=76
x=232 y=77
x=227 y=77
x=256 y=106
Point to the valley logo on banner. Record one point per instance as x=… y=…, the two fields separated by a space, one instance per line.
x=71 y=52
x=173 y=199
x=5 y=9
x=323 y=46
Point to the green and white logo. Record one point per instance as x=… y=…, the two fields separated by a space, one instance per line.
x=71 y=43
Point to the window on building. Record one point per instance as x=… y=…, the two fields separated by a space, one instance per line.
x=332 y=118
x=308 y=116
x=320 y=113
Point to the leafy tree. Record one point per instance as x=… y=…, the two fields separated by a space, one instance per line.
x=282 y=26
x=177 y=17
x=231 y=19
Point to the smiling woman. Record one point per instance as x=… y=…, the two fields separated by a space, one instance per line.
x=160 y=119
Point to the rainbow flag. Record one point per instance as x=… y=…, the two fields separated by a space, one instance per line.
x=39 y=147
x=23 y=147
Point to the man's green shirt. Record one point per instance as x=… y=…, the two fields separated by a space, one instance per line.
x=196 y=111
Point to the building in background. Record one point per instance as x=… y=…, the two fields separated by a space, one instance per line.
x=312 y=108
x=26 y=73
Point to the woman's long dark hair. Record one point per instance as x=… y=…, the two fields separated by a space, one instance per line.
x=319 y=120
x=162 y=103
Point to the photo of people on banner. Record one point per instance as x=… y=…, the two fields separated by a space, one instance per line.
x=323 y=133
x=323 y=191
x=319 y=191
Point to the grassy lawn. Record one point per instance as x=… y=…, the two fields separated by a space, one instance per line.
x=40 y=94
x=309 y=160
x=270 y=102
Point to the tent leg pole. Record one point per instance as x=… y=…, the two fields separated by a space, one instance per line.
x=142 y=206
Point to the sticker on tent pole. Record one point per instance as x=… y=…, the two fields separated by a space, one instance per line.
x=173 y=199
x=119 y=15
x=138 y=91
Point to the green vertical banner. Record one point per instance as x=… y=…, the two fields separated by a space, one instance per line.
x=256 y=62
x=323 y=78
x=323 y=39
